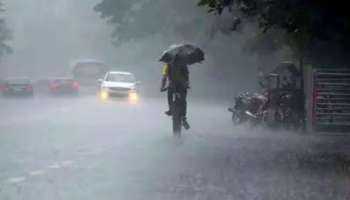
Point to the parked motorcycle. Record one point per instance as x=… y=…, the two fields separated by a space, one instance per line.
x=281 y=105
x=288 y=112
x=248 y=108
x=239 y=107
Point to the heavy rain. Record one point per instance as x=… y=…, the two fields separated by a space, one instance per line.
x=174 y=100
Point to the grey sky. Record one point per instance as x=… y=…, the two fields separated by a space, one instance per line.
x=48 y=35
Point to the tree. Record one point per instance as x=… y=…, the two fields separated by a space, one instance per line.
x=135 y=19
x=305 y=23
x=5 y=35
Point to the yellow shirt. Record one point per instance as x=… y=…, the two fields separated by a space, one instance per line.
x=179 y=75
x=165 y=70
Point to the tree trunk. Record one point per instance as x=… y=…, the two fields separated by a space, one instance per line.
x=302 y=86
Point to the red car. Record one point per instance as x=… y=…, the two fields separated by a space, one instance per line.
x=17 y=86
x=64 y=86
x=2 y=85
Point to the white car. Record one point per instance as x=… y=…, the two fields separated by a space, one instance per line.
x=118 y=84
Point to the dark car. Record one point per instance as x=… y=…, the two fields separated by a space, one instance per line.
x=64 y=86
x=88 y=71
x=18 y=86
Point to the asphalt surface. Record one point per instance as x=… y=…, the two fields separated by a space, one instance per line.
x=82 y=148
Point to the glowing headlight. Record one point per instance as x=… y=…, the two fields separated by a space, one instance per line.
x=133 y=97
x=104 y=94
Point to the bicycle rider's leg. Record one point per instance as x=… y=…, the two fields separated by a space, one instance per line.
x=170 y=100
x=183 y=94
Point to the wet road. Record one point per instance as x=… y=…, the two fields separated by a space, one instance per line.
x=80 y=148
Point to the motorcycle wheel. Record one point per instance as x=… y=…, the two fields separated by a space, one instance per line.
x=236 y=119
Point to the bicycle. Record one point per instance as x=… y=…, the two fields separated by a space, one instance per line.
x=177 y=110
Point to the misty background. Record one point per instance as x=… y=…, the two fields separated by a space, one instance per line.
x=48 y=37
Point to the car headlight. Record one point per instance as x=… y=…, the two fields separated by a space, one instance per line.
x=133 y=97
x=104 y=95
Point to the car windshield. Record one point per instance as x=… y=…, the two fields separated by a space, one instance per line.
x=18 y=81
x=88 y=69
x=62 y=80
x=121 y=77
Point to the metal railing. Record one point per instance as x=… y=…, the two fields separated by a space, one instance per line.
x=331 y=98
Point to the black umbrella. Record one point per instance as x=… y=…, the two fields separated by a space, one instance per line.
x=187 y=53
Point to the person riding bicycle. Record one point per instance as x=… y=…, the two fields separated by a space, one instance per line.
x=175 y=78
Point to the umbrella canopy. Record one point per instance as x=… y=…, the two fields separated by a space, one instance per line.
x=187 y=53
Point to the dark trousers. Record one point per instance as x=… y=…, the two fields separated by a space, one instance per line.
x=183 y=98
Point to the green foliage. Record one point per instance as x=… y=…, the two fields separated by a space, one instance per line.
x=304 y=22
x=135 y=19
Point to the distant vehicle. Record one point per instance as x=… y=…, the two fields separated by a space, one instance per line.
x=18 y=86
x=63 y=86
x=88 y=71
x=41 y=85
x=2 y=85
x=118 y=84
